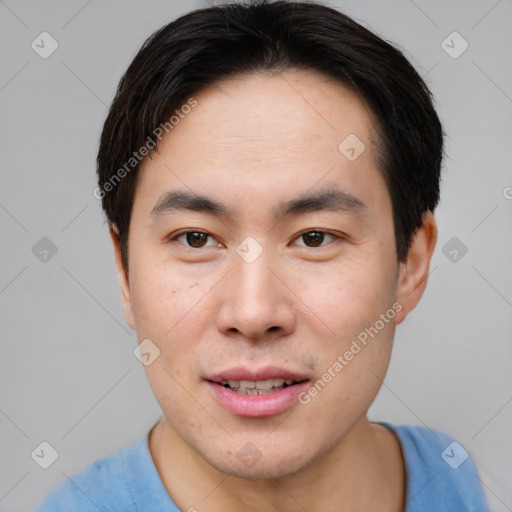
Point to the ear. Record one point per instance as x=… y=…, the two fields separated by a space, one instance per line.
x=124 y=282
x=413 y=273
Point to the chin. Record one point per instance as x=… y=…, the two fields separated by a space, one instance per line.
x=267 y=464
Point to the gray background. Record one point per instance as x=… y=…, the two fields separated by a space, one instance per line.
x=68 y=374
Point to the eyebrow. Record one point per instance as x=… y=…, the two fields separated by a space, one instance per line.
x=332 y=199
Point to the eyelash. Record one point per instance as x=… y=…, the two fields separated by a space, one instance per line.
x=178 y=234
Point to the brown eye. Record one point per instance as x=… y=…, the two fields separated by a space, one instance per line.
x=192 y=239
x=314 y=238
x=196 y=239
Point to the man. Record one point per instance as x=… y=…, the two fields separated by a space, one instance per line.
x=269 y=172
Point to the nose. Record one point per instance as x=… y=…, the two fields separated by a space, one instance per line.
x=256 y=302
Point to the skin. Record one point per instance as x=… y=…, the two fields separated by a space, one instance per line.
x=250 y=143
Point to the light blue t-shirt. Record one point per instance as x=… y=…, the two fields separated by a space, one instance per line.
x=441 y=477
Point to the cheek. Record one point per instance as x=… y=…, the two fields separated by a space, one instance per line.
x=351 y=368
x=356 y=303
x=167 y=309
x=347 y=298
x=167 y=303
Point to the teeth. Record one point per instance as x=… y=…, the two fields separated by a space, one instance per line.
x=268 y=384
x=258 y=387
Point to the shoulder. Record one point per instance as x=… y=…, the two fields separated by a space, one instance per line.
x=102 y=486
x=441 y=474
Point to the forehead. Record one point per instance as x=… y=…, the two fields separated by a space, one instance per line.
x=268 y=134
x=277 y=114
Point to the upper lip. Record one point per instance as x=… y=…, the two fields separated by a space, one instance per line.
x=268 y=372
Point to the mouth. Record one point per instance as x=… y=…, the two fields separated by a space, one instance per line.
x=257 y=393
x=258 y=387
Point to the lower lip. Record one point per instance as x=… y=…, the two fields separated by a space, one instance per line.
x=255 y=406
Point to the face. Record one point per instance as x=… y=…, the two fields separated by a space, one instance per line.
x=265 y=285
